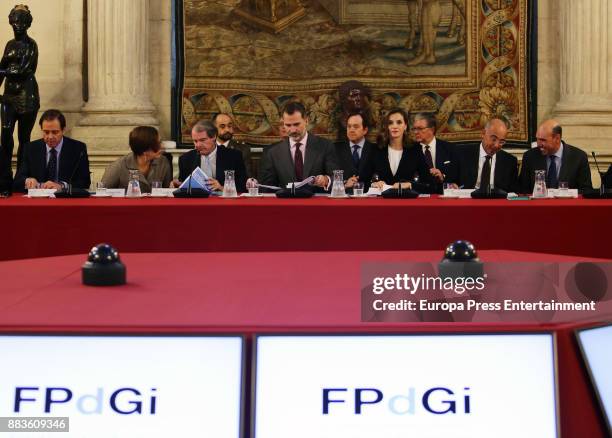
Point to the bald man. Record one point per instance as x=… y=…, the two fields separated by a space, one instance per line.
x=487 y=164
x=561 y=161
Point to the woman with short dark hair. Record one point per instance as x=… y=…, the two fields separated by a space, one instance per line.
x=146 y=157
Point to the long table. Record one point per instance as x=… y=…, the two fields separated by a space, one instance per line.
x=52 y=227
x=305 y=292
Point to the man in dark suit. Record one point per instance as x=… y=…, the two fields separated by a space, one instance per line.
x=606 y=179
x=353 y=155
x=487 y=165
x=300 y=155
x=561 y=161
x=54 y=161
x=213 y=160
x=440 y=155
x=225 y=137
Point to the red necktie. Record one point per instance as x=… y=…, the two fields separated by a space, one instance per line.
x=299 y=162
x=428 y=157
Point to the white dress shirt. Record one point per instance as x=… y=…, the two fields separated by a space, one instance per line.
x=481 y=161
x=208 y=163
x=395 y=156
x=432 y=150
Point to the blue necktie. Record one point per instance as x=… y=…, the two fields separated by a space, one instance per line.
x=553 y=181
x=356 y=156
x=52 y=165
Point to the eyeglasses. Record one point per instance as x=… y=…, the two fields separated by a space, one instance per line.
x=417 y=129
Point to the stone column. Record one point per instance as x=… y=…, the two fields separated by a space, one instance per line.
x=118 y=73
x=585 y=105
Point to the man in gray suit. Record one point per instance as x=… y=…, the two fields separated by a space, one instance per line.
x=561 y=161
x=298 y=156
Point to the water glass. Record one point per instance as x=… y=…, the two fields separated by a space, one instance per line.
x=100 y=188
x=358 y=189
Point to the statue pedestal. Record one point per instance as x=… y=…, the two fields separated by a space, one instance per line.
x=270 y=15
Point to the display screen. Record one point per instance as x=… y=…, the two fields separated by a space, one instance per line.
x=126 y=386
x=423 y=386
x=596 y=346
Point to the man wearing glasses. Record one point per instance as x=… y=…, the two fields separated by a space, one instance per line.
x=487 y=165
x=440 y=155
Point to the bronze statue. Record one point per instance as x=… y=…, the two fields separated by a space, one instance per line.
x=20 y=102
x=355 y=97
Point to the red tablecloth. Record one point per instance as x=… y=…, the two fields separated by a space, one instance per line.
x=48 y=227
x=250 y=293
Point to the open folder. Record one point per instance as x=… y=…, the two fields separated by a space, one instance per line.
x=199 y=180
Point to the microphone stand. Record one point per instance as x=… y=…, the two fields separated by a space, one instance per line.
x=68 y=191
x=602 y=187
x=190 y=192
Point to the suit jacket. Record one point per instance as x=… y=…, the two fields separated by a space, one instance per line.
x=506 y=168
x=411 y=166
x=606 y=180
x=344 y=158
x=277 y=168
x=447 y=161
x=245 y=149
x=574 y=168
x=227 y=159
x=73 y=158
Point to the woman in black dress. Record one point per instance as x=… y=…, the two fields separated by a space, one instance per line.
x=396 y=160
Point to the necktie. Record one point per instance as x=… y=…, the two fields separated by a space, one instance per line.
x=485 y=176
x=208 y=167
x=356 y=156
x=428 y=157
x=52 y=165
x=552 y=182
x=298 y=162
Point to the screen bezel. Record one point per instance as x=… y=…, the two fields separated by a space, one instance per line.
x=256 y=336
x=241 y=337
x=593 y=384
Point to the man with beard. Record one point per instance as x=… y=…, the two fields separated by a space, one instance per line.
x=561 y=161
x=300 y=155
x=225 y=137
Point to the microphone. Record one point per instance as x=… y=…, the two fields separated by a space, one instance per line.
x=69 y=191
x=596 y=163
x=602 y=187
x=400 y=192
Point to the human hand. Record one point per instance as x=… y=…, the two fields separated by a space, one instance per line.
x=31 y=183
x=52 y=185
x=437 y=174
x=351 y=181
x=321 y=181
x=214 y=184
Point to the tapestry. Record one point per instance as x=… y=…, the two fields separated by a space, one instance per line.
x=465 y=61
